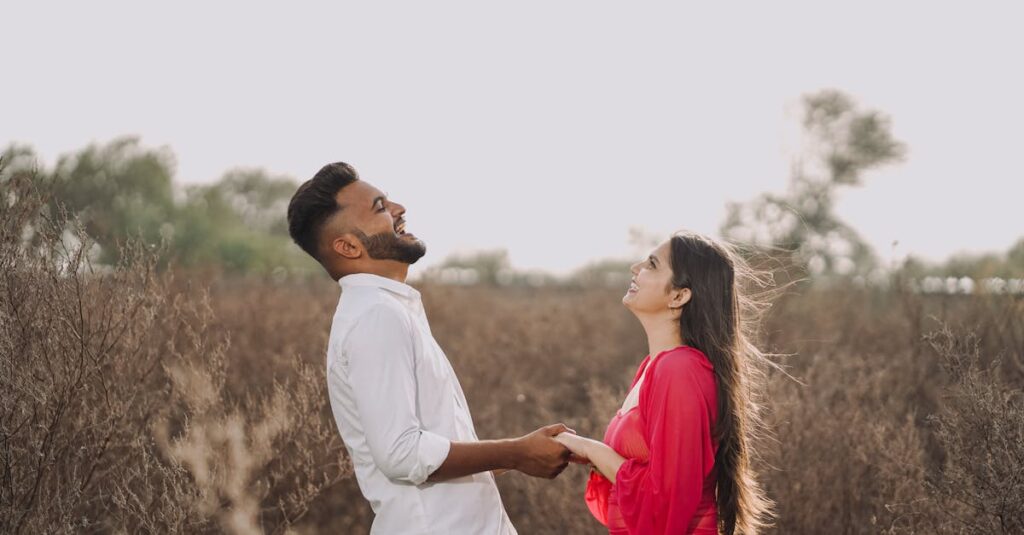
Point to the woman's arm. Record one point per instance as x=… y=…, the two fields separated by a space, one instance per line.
x=606 y=460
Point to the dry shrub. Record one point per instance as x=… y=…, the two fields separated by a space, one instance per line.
x=77 y=368
x=980 y=485
x=114 y=413
x=854 y=449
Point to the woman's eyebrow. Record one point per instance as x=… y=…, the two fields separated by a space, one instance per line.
x=653 y=259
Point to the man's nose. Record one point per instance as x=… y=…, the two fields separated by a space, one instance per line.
x=397 y=209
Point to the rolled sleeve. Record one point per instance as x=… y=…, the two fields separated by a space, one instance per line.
x=382 y=371
x=433 y=450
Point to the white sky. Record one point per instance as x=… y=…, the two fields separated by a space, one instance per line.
x=546 y=128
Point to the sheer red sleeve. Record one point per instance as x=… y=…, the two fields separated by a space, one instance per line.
x=598 y=486
x=661 y=495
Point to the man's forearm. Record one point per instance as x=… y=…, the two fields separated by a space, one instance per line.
x=467 y=458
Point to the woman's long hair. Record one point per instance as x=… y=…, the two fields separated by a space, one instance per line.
x=721 y=319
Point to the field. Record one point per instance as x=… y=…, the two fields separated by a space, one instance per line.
x=138 y=400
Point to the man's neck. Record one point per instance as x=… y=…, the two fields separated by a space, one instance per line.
x=389 y=269
x=399 y=272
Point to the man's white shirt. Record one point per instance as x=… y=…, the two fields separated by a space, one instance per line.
x=398 y=406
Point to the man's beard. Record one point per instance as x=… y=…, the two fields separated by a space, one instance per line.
x=389 y=246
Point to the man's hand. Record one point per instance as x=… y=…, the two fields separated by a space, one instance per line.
x=540 y=455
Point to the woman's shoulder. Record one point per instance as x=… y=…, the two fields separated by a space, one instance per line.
x=683 y=370
x=682 y=361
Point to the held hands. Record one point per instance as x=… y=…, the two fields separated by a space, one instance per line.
x=547 y=451
x=540 y=454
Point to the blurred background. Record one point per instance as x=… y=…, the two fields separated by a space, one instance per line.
x=163 y=340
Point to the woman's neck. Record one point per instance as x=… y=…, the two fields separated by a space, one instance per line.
x=662 y=334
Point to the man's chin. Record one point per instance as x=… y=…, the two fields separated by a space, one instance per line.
x=422 y=254
x=415 y=254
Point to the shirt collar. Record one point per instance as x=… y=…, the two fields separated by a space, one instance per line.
x=376 y=281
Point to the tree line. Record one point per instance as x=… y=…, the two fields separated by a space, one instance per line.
x=122 y=189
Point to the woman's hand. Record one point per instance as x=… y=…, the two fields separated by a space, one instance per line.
x=589 y=451
x=579 y=446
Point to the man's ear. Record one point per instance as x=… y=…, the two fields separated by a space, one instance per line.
x=678 y=298
x=347 y=246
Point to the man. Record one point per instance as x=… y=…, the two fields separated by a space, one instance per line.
x=397 y=402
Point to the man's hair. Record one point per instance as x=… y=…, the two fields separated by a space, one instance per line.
x=314 y=202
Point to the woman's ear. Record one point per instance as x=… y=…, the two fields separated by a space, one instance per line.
x=678 y=298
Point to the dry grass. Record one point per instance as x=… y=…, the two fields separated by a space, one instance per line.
x=141 y=402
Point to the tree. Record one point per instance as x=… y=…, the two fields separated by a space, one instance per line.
x=120 y=191
x=117 y=190
x=238 y=222
x=843 y=142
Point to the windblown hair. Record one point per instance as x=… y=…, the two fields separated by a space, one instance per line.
x=722 y=319
x=314 y=202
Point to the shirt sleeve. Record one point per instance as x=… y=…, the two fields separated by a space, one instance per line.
x=661 y=494
x=381 y=368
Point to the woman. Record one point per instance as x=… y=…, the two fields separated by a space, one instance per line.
x=676 y=456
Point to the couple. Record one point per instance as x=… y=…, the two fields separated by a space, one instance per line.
x=675 y=458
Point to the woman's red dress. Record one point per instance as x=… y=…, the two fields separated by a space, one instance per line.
x=667 y=484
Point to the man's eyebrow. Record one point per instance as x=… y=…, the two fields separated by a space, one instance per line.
x=378 y=198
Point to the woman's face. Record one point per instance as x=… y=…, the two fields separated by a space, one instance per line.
x=650 y=291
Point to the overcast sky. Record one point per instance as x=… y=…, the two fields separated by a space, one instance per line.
x=546 y=128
